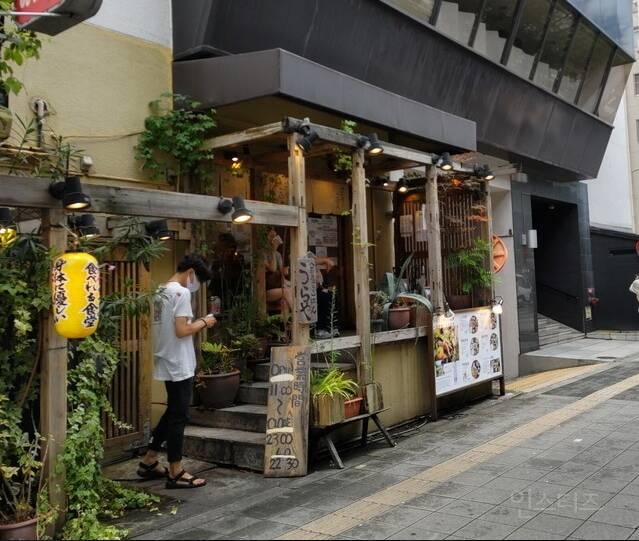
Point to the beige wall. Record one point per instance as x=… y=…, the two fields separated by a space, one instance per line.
x=98 y=84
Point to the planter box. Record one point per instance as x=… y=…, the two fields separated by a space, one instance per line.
x=327 y=411
x=352 y=408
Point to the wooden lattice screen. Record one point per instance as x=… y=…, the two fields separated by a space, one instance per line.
x=130 y=392
x=463 y=218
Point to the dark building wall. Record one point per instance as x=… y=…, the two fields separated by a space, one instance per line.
x=615 y=263
x=523 y=196
x=371 y=41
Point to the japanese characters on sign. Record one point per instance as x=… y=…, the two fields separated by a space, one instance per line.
x=307 y=290
x=286 y=448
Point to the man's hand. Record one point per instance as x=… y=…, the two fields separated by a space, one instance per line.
x=209 y=320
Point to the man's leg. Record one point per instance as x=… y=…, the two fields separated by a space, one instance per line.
x=158 y=437
x=178 y=402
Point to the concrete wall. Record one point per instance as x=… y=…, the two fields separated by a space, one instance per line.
x=97 y=83
x=611 y=193
x=505 y=280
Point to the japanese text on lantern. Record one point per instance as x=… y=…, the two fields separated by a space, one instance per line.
x=92 y=309
x=60 y=298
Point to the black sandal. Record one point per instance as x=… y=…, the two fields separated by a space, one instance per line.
x=148 y=471
x=179 y=482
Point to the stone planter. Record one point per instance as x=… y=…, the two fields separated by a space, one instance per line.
x=218 y=391
x=19 y=530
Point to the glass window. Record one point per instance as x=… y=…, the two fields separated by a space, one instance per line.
x=529 y=36
x=422 y=10
x=576 y=61
x=637 y=129
x=494 y=28
x=554 y=50
x=593 y=82
x=636 y=84
x=615 y=86
x=457 y=17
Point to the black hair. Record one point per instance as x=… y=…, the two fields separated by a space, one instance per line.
x=195 y=262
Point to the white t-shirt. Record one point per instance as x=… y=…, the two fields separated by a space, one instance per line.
x=174 y=357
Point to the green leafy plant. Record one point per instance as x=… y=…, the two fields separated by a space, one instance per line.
x=343 y=162
x=378 y=299
x=248 y=346
x=332 y=383
x=174 y=137
x=18 y=45
x=395 y=288
x=216 y=359
x=473 y=262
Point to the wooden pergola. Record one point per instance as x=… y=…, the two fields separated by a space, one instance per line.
x=30 y=192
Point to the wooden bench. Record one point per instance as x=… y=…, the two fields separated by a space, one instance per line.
x=324 y=432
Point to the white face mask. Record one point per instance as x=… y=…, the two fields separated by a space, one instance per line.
x=193 y=284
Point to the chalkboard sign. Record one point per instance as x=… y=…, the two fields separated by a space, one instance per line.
x=286 y=449
x=307 y=290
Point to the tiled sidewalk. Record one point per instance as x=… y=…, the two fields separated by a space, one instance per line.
x=571 y=472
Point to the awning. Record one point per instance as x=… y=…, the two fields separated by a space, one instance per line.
x=226 y=80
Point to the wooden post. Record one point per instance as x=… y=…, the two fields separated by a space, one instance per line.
x=299 y=235
x=53 y=382
x=435 y=269
x=360 y=265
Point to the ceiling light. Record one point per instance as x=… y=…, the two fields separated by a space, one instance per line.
x=84 y=225
x=484 y=172
x=70 y=191
x=375 y=146
x=159 y=229
x=445 y=162
x=402 y=186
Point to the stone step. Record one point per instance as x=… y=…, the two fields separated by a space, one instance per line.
x=547 y=334
x=253 y=393
x=247 y=417
x=225 y=446
x=559 y=339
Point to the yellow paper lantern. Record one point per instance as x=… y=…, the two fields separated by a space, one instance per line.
x=76 y=294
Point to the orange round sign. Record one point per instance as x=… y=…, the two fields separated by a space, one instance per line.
x=500 y=254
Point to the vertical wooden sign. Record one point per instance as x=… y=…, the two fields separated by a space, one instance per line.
x=286 y=452
x=307 y=290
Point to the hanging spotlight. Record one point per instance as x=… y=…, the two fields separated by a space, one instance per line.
x=363 y=142
x=385 y=183
x=484 y=172
x=84 y=225
x=242 y=215
x=70 y=191
x=402 y=186
x=6 y=220
x=159 y=229
x=489 y=175
x=305 y=142
x=445 y=162
x=375 y=146
x=498 y=308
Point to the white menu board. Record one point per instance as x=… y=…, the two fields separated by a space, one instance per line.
x=323 y=231
x=467 y=349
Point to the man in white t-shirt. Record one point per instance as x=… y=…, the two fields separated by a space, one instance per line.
x=173 y=330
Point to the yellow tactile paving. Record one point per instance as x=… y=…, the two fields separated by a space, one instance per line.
x=534 y=382
x=384 y=500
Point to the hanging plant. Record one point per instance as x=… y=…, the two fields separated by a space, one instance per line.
x=343 y=160
x=173 y=139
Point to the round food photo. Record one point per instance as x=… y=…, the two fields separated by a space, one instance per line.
x=475 y=369
x=474 y=346
x=494 y=341
x=473 y=324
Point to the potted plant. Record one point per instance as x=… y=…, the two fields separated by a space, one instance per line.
x=397 y=310
x=330 y=389
x=218 y=380
x=475 y=272
x=378 y=300
x=20 y=479
x=247 y=349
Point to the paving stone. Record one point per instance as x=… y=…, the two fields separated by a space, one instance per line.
x=553 y=524
x=509 y=515
x=197 y=533
x=597 y=530
x=224 y=525
x=625 y=501
x=372 y=530
x=473 y=478
x=298 y=516
x=328 y=502
x=451 y=490
x=487 y=495
x=481 y=529
x=579 y=504
x=262 y=530
x=627 y=518
x=524 y=472
x=441 y=522
x=508 y=483
x=403 y=515
x=417 y=535
x=467 y=508
x=536 y=535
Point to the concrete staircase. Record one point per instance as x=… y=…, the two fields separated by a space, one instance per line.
x=553 y=332
x=236 y=436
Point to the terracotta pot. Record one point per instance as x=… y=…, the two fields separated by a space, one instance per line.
x=353 y=407
x=219 y=390
x=19 y=530
x=460 y=302
x=399 y=317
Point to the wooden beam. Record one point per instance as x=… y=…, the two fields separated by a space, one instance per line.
x=242 y=137
x=299 y=236
x=360 y=266
x=435 y=269
x=127 y=201
x=53 y=379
